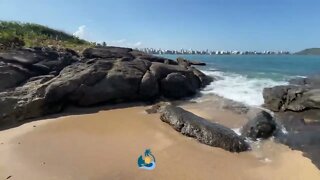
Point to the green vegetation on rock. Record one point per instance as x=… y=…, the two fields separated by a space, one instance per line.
x=16 y=34
x=310 y=51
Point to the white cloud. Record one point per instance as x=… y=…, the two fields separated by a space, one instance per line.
x=121 y=41
x=124 y=43
x=137 y=44
x=80 y=33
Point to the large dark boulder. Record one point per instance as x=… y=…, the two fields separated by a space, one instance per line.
x=161 y=70
x=206 y=132
x=39 y=81
x=204 y=79
x=262 y=125
x=300 y=95
x=274 y=97
x=149 y=87
x=11 y=76
x=292 y=98
x=187 y=85
x=27 y=101
x=107 y=82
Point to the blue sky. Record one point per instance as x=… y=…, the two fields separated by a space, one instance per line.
x=199 y=24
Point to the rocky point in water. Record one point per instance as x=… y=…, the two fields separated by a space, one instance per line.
x=302 y=94
x=297 y=108
x=39 y=81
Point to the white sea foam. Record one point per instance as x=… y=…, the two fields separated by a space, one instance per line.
x=284 y=130
x=237 y=131
x=239 y=87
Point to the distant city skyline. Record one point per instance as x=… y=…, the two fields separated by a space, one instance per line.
x=273 y=25
x=211 y=52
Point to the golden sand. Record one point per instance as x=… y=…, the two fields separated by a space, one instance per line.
x=106 y=145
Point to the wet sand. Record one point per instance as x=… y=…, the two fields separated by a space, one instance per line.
x=106 y=145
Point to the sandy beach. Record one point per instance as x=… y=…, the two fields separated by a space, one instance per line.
x=107 y=143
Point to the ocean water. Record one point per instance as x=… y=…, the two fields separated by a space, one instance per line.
x=243 y=78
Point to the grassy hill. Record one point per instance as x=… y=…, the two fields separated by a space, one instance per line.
x=16 y=34
x=310 y=51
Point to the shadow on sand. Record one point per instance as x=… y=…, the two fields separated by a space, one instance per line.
x=73 y=110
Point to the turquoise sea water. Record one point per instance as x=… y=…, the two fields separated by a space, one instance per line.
x=243 y=77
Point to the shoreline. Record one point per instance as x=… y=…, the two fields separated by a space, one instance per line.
x=106 y=144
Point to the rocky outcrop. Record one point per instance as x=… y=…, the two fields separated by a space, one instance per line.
x=262 y=125
x=187 y=82
x=204 y=131
x=184 y=62
x=300 y=135
x=107 y=53
x=297 y=108
x=39 y=81
x=313 y=81
x=302 y=94
x=17 y=66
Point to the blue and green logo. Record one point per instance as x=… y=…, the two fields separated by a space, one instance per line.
x=148 y=161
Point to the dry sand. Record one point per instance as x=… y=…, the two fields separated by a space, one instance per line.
x=106 y=145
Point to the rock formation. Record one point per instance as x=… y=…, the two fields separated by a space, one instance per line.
x=302 y=94
x=262 y=125
x=206 y=132
x=39 y=81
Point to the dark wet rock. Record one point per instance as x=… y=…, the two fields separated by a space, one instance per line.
x=184 y=62
x=204 y=79
x=149 y=87
x=313 y=81
x=103 y=81
x=44 y=80
x=298 y=110
x=262 y=125
x=299 y=81
x=161 y=70
x=11 y=76
x=204 y=131
x=300 y=95
x=187 y=85
x=291 y=97
x=300 y=135
x=274 y=97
